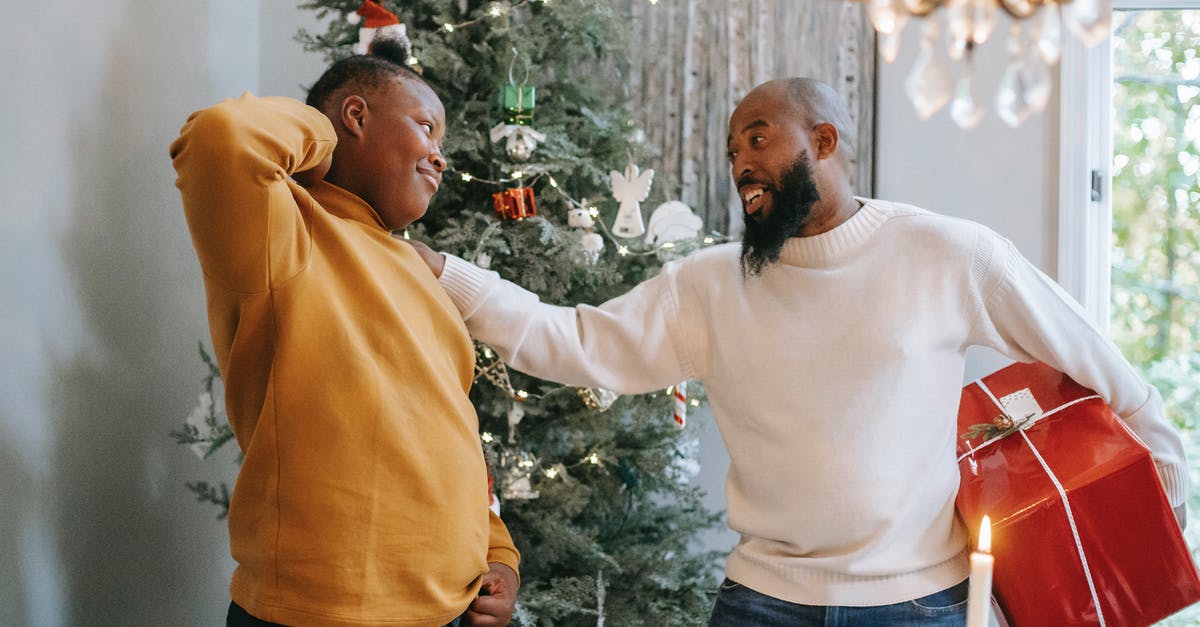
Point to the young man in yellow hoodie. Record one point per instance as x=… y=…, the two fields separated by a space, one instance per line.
x=362 y=498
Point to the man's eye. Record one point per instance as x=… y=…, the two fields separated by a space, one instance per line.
x=428 y=128
x=756 y=139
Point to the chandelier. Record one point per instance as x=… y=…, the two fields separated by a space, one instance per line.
x=1034 y=46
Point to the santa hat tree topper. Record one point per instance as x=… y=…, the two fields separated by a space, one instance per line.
x=375 y=21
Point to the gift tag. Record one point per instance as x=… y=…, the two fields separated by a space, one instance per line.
x=1021 y=405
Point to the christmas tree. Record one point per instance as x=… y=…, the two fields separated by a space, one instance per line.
x=543 y=187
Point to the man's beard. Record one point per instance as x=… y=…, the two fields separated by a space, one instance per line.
x=791 y=204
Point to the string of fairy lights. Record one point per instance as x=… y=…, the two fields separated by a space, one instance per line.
x=518 y=176
x=494 y=10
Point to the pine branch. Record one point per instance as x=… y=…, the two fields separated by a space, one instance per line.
x=215 y=494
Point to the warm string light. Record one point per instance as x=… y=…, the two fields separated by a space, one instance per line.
x=622 y=249
x=529 y=464
x=495 y=372
x=494 y=10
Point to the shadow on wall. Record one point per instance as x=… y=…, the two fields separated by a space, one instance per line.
x=18 y=505
x=135 y=548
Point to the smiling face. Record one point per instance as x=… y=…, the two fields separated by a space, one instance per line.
x=389 y=149
x=767 y=136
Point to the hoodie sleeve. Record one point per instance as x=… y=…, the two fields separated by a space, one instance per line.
x=247 y=218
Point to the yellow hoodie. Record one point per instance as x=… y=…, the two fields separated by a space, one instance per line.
x=362 y=499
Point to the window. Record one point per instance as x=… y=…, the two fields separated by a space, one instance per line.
x=1129 y=231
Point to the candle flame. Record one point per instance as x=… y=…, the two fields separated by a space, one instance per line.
x=985 y=535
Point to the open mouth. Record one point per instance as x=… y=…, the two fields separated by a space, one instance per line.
x=753 y=197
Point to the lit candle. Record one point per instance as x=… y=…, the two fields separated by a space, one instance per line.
x=979 y=599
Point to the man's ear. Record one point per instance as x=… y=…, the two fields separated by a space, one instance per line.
x=351 y=114
x=825 y=139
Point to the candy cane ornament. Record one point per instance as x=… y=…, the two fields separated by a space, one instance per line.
x=680 y=406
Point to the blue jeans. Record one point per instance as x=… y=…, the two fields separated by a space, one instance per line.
x=739 y=606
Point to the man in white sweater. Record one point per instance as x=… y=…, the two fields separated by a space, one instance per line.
x=831 y=344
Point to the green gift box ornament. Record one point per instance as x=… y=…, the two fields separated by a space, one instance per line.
x=518 y=102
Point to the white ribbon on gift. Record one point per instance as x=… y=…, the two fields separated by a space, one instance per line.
x=1062 y=492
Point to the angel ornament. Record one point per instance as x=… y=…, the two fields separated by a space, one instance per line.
x=630 y=190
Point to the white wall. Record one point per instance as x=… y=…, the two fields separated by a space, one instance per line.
x=103 y=307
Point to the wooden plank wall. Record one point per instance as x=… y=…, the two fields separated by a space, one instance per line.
x=698 y=58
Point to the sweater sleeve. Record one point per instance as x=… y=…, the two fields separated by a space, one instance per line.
x=627 y=344
x=233 y=161
x=500 y=545
x=1028 y=317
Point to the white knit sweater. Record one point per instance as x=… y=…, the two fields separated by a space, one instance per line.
x=834 y=377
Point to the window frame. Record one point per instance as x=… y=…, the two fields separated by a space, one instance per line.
x=1085 y=165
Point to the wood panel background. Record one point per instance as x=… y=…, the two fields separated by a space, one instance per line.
x=698 y=58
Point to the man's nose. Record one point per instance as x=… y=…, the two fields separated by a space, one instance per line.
x=739 y=168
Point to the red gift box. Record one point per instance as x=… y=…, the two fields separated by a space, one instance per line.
x=515 y=203
x=1081 y=529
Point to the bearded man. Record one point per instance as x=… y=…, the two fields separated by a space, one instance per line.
x=832 y=347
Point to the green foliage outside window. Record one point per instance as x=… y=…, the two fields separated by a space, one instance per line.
x=1156 y=218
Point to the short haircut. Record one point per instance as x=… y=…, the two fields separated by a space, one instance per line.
x=821 y=104
x=384 y=62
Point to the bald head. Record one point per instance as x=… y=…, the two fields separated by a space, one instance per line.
x=790 y=152
x=818 y=103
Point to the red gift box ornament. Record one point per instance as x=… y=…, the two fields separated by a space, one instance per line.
x=1082 y=533
x=515 y=203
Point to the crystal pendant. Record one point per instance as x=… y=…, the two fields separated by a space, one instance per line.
x=983 y=20
x=970 y=23
x=928 y=84
x=1035 y=80
x=1089 y=20
x=958 y=28
x=1010 y=101
x=887 y=16
x=889 y=46
x=1025 y=87
x=1049 y=32
x=965 y=110
x=1011 y=105
x=1020 y=9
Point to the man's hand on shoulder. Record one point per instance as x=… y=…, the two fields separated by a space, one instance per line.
x=497 y=597
x=432 y=258
x=315 y=174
